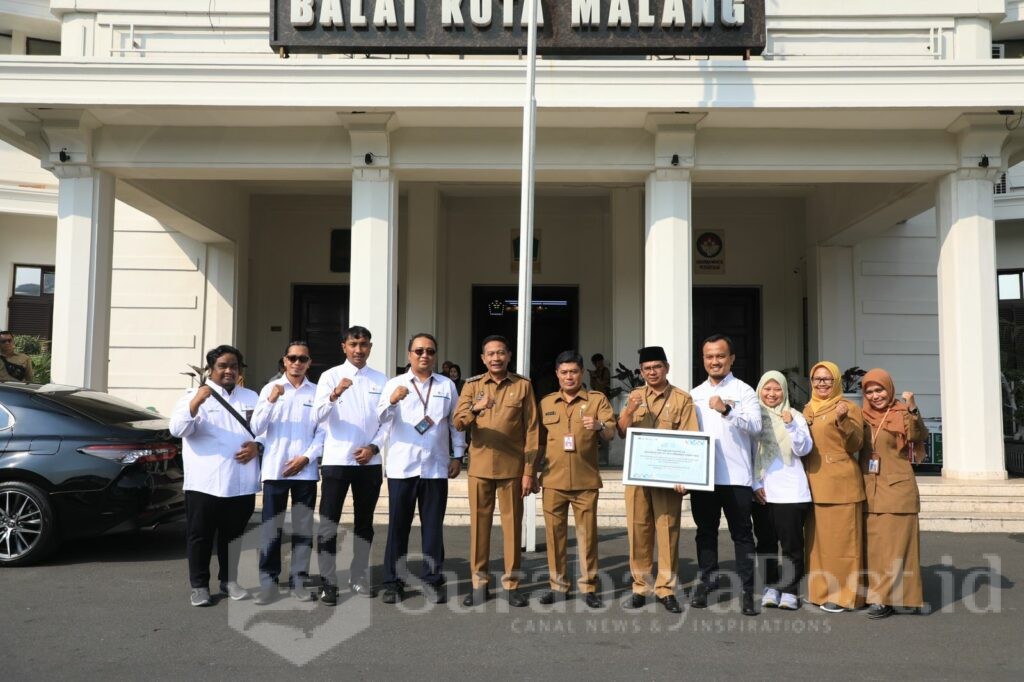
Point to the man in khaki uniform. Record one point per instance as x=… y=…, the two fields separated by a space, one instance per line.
x=499 y=410
x=14 y=366
x=652 y=514
x=572 y=422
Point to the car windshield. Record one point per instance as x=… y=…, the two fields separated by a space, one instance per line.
x=102 y=407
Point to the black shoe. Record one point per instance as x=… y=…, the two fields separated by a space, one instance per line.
x=670 y=603
x=393 y=594
x=476 y=596
x=747 y=604
x=551 y=596
x=361 y=587
x=516 y=598
x=699 y=598
x=879 y=611
x=437 y=593
x=329 y=594
x=635 y=601
x=592 y=600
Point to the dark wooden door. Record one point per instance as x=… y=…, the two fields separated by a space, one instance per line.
x=735 y=312
x=319 y=315
x=555 y=323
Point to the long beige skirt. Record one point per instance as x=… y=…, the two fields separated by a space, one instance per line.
x=835 y=555
x=893 y=552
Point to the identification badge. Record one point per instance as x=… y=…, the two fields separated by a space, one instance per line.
x=424 y=425
x=569 y=443
x=874 y=464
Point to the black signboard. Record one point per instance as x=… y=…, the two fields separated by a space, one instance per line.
x=570 y=27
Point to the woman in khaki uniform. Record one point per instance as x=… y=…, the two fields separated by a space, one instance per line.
x=892 y=546
x=835 y=528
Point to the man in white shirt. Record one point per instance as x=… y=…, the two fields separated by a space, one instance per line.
x=293 y=444
x=346 y=407
x=222 y=475
x=729 y=411
x=416 y=413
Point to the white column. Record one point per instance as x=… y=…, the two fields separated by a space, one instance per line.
x=627 y=275
x=220 y=317
x=668 y=271
x=969 y=329
x=373 y=284
x=81 y=300
x=422 y=251
x=832 y=302
x=972 y=38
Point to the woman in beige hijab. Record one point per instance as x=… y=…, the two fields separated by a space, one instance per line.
x=835 y=529
x=893 y=549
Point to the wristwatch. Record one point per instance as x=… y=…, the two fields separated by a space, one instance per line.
x=728 y=409
x=916 y=412
x=374 y=449
x=261 y=447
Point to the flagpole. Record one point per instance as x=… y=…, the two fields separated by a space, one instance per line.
x=523 y=327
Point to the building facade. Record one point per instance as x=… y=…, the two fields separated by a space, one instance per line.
x=851 y=194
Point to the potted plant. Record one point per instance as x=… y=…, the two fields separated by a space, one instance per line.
x=851 y=382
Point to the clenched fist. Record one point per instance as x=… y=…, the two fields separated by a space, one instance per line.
x=399 y=394
x=342 y=386
x=592 y=424
x=201 y=396
x=841 y=411
x=908 y=398
x=787 y=416
x=634 y=403
x=484 y=403
x=717 y=404
x=276 y=392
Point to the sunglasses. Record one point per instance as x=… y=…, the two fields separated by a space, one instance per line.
x=429 y=351
x=297 y=358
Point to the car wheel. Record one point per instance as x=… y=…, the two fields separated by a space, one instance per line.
x=27 y=528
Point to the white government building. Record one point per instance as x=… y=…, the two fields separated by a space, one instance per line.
x=170 y=181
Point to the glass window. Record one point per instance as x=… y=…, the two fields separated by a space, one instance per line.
x=100 y=407
x=27 y=280
x=5 y=43
x=48 y=283
x=1009 y=287
x=40 y=47
x=341 y=250
x=6 y=419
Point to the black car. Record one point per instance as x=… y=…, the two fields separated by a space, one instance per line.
x=79 y=463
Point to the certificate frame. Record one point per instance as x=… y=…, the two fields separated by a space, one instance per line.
x=638 y=444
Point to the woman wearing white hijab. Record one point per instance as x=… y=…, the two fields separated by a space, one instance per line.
x=781 y=491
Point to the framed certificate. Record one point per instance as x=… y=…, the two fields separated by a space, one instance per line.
x=663 y=459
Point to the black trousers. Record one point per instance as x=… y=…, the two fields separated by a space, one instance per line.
x=275 y=504
x=404 y=495
x=365 y=482
x=775 y=525
x=208 y=517
x=707 y=508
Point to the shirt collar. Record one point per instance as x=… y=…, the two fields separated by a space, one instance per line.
x=288 y=385
x=579 y=396
x=434 y=376
x=648 y=391
x=724 y=382
x=489 y=378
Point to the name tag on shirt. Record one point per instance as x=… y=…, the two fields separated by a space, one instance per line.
x=424 y=425
x=569 y=443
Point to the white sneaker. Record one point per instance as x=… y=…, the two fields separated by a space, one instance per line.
x=789 y=602
x=234 y=590
x=770 y=598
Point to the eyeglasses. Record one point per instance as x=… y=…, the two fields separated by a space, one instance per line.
x=6 y=340
x=297 y=358
x=826 y=381
x=429 y=351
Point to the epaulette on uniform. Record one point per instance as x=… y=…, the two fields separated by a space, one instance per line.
x=478 y=377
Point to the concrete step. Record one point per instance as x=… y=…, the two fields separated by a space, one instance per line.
x=953 y=506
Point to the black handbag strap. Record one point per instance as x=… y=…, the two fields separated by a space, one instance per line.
x=17 y=372
x=233 y=412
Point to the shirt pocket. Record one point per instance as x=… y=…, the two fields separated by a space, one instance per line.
x=836 y=457
x=640 y=414
x=669 y=419
x=898 y=479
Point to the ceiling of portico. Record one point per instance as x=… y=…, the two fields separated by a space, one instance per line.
x=813 y=118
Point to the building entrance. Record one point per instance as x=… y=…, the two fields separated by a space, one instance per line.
x=555 y=322
x=319 y=314
x=735 y=312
